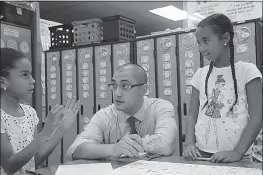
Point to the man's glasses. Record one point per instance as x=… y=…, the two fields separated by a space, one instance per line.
x=123 y=86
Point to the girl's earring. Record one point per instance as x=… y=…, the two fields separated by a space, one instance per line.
x=3 y=86
x=225 y=44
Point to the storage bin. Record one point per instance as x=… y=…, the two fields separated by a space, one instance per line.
x=87 y=31
x=61 y=36
x=118 y=28
x=11 y=15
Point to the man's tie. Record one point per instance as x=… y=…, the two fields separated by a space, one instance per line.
x=131 y=120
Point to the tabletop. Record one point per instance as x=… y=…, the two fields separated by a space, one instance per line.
x=124 y=161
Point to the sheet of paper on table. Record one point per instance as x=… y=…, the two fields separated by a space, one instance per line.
x=142 y=167
x=85 y=169
x=141 y=155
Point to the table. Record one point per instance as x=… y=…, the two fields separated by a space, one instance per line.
x=173 y=159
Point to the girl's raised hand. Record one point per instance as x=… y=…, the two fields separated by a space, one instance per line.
x=51 y=122
x=69 y=113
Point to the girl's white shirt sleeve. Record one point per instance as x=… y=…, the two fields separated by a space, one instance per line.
x=196 y=79
x=252 y=72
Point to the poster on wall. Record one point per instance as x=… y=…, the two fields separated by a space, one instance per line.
x=235 y=10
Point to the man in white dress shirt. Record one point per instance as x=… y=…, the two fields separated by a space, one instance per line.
x=133 y=124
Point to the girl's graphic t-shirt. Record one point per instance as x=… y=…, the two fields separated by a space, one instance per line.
x=217 y=128
x=20 y=132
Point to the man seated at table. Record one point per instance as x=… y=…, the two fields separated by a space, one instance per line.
x=133 y=124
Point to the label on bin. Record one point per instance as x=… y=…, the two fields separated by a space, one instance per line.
x=145 y=67
x=103 y=95
x=68 y=67
x=188 y=54
x=189 y=41
x=68 y=87
x=189 y=72
x=85 y=73
x=121 y=62
x=103 y=53
x=53 y=82
x=103 y=87
x=85 y=94
x=144 y=59
x=122 y=52
x=143 y=47
x=167 y=91
x=69 y=56
x=85 y=79
x=167 y=65
x=103 y=64
x=52 y=68
x=167 y=82
x=85 y=66
x=166 y=44
x=102 y=79
x=85 y=87
x=167 y=57
x=69 y=73
x=189 y=63
x=53 y=75
x=167 y=74
x=53 y=96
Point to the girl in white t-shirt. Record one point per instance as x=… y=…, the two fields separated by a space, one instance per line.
x=225 y=113
x=21 y=147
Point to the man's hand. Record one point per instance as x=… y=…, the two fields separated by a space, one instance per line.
x=129 y=145
x=226 y=156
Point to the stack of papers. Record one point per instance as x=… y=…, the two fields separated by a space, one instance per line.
x=85 y=169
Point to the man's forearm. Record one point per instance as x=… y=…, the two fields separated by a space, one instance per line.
x=249 y=135
x=158 y=144
x=93 y=151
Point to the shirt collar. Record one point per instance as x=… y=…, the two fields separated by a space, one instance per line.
x=139 y=114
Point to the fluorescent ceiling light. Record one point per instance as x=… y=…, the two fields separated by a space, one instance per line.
x=170 y=12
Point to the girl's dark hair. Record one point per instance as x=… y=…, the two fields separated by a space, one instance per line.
x=221 y=24
x=8 y=60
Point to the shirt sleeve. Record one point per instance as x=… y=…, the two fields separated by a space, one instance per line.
x=2 y=124
x=163 y=139
x=93 y=133
x=252 y=72
x=33 y=114
x=196 y=79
